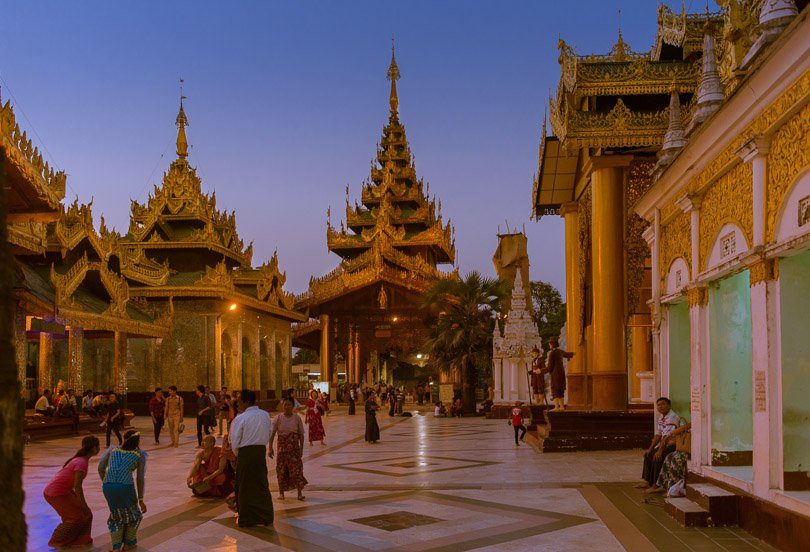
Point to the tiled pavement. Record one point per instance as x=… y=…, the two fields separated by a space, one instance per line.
x=431 y=484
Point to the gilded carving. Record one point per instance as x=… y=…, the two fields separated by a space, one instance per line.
x=698 y=296
x=49 y=185
x=584 y=237
x=789 y=155
x=674 y=243
x=727 y=201
x=764 y=270
x=636 y=249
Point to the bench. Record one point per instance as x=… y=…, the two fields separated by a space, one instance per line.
x=38 y=427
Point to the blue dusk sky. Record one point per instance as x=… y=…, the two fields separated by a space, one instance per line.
x=287 y=99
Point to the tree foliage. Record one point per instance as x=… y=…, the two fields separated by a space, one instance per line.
x=306 y=356
x=462 y=313
x=549 y=310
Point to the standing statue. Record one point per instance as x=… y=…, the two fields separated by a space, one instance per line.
x=538 y=378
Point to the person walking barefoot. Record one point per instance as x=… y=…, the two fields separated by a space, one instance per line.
x=289 y=462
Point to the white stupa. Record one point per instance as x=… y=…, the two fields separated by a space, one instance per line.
x=512 y=351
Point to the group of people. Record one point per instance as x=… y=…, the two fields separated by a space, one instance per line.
x=123 y=493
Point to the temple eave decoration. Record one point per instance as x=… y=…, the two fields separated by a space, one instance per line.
x=46 y=184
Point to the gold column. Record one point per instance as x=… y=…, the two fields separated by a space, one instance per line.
x=76 y=359
x=577 y=378
x=642 y=350
x=609 y=378
x=120 y=364
x=20 y=349
x=326 y=338
x=45 y=361
x=349 y=363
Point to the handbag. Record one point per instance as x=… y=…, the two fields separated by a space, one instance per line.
x=683 y=442
x=182 y=428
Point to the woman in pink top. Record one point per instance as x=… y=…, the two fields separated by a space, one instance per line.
x=64 y=493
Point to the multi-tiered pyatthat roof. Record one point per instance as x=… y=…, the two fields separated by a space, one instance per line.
x=396 y=231
x=180 y=244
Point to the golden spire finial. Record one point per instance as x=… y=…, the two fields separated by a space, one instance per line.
x=393 y=76
x=182 y=123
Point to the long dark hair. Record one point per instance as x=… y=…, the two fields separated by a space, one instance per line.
x=131 y=440
x=89 y=442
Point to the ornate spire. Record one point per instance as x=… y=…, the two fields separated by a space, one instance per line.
x=182 y=123
x=393 y=76
x=674 y=137
x=710 y=94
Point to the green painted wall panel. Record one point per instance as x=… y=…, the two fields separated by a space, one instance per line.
x=794 y=282
x=730 y=364
x=679 y=361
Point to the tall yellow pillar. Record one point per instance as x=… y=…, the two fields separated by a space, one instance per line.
x=21 y=350
x=120 y=364
x=609 y=377
x=326 y=349
x=75 y=359
x=642 y=350
x=45 y=362
x=577 y=378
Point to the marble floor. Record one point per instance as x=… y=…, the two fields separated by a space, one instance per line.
x=429 y=485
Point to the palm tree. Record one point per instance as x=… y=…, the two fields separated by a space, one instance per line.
x=462 y=313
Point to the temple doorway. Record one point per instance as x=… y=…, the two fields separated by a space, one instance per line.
x=247 y=364
x=265 y=381
x=225 y=365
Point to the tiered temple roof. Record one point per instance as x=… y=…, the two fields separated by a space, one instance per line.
x=396 y=232
x=179 y=244
x=622 y=100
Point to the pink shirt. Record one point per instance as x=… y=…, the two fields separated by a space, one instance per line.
x=62 y=482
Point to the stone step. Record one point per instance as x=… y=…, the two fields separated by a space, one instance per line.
x=721 y=504
x=686 y=512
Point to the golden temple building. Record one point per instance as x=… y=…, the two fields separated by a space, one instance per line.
x=367 y=309
x=182 y=257
x=702 y=147
x=72 y=311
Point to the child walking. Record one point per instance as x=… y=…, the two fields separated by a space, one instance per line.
x=516 y=421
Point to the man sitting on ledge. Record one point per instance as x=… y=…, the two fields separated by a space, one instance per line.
x=668 y=421
x=43 y=405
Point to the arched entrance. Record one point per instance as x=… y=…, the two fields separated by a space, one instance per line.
x=279 y=368
x=264 y=367
x=226 y=361
x=247 y=363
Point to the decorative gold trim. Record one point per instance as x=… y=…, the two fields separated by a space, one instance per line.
x=764 y=270
x=727 y=201
x=49 y=185
x=698 y=296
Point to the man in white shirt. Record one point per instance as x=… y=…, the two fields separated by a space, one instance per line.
x=43 y=405
x=668 y=421
x=249 y=436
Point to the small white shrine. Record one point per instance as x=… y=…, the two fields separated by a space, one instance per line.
x=512 y=351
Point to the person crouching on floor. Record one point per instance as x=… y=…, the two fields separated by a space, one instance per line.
x=210 y=466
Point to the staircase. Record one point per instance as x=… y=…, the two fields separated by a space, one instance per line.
x=705 y=505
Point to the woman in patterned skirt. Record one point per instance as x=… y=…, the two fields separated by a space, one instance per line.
x=314 y=421
x=289 y=462
x=126 y=506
